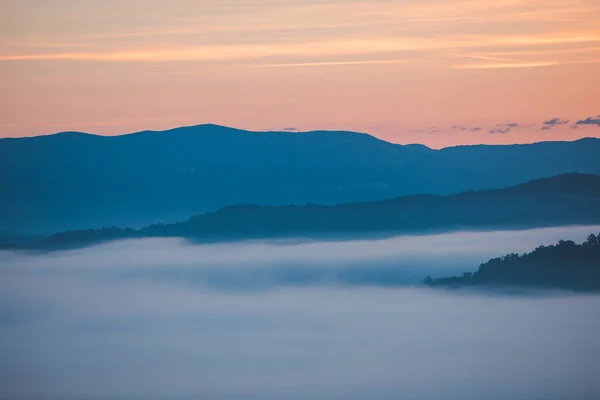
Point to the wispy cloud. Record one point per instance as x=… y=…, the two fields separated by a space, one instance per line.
x=502 y=54
x=556 y=121
x=329 y=63
x=340 y=46
x=533 y=64
x=551 y=123
x=464 y=128
x=590 y=121
x=484 y=57
x=499 y=130
x=508 y=65
x=504 y=128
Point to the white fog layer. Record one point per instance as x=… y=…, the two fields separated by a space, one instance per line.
x=164 y=319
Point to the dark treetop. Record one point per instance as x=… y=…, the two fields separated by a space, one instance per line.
x=566 y=265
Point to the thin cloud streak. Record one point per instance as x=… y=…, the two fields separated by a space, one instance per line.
x=338 y=47
x=331 y=63
x=508 y=65
x=589 y=49
x=483 y=57
x=534 y=64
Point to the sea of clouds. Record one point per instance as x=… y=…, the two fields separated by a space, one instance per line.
x=167 y=319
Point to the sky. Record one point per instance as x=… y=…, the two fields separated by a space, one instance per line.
x=438 y=72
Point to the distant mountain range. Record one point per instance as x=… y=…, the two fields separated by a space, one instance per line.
x=74 y=180
x=570 y=199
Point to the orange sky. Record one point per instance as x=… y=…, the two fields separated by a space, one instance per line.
x=427 y=71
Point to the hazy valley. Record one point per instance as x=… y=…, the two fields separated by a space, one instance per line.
x=297 y=268
x=164 y=318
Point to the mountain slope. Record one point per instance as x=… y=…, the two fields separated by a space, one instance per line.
x=562 y=200
x=74 y=180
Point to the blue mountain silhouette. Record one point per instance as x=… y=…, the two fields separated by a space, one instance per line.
x=74 y=180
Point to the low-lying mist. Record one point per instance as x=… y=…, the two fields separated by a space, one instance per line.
x=164 y=319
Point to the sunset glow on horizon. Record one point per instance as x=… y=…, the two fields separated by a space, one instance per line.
x=438 y=72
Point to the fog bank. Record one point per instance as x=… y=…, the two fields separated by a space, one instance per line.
x=397 y=261
x=161 y=319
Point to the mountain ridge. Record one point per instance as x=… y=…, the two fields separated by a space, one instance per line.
x=284 y=132
x=569 y=199
x=74 y=181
